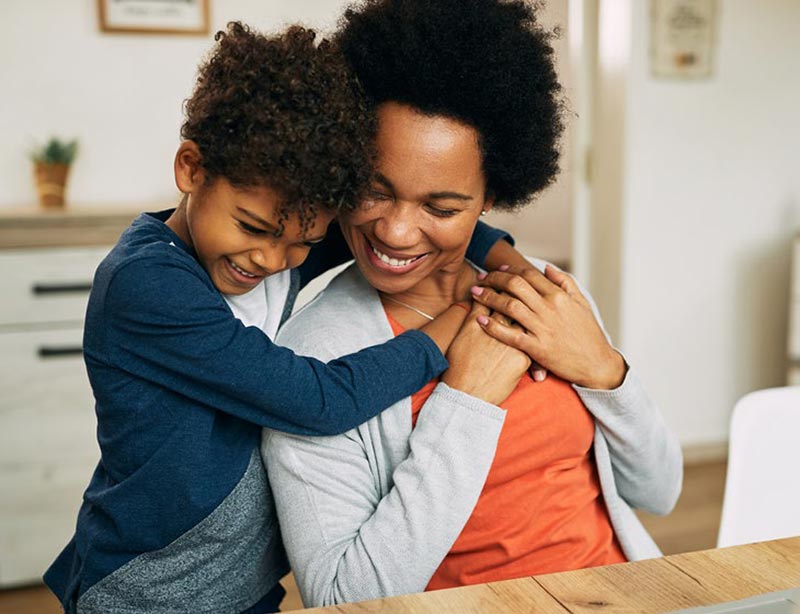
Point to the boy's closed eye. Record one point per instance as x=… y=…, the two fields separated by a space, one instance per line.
x=253 y=230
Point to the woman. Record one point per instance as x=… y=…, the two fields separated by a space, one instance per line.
x=427 y=495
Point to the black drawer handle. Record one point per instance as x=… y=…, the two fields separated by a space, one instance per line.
x=60 y=352
x=40 y=289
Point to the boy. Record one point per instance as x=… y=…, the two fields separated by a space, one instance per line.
x=178 y=515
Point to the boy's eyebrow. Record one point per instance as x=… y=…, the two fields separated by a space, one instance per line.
x=434 y=195
x=255 y=218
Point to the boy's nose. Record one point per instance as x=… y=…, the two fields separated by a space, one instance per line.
x=270 y=259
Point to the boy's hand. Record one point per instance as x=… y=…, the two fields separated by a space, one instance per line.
x=445 y=326
x=561 y=332
x=482 y=366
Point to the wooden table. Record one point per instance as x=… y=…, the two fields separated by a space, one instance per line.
x=657 y=585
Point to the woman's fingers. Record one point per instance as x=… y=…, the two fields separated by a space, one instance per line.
x=515 y=280
x=565 y=282
x=538 y=372
x=510 y=334
x=522 y=310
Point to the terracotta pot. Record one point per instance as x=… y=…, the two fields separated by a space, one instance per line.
x=51 y=183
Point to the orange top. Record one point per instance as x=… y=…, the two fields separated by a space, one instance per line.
x=541 y=509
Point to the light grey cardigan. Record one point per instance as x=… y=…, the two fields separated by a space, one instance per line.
x=372 y=512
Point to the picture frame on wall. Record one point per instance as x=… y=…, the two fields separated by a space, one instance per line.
x=682 y=38
x=154 y=16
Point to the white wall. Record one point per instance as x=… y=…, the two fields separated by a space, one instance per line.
x=711 y=199
x=119 y=94
x=544 y=227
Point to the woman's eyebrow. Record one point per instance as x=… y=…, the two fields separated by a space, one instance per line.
x=382 y=179
x=449 y=195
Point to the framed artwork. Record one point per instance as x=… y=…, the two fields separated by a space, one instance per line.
x=682 y=37
x=154 y=16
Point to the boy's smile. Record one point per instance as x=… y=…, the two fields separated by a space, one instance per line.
x=239 y=233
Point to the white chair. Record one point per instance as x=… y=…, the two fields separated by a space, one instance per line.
x=762 y=488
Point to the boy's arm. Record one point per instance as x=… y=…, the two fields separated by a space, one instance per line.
x=166 y=324
x=333 y=251
x=485 y=248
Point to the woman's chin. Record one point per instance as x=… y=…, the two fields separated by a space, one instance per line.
x=388 y=283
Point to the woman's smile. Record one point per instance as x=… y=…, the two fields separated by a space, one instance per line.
x=386 y=260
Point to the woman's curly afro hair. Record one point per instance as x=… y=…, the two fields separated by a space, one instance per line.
x=285 y=112
x=484 y=62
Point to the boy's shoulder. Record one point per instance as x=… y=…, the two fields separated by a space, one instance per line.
x=148 y=253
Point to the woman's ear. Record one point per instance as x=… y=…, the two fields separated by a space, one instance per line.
x=488 y=203
x=189 y=173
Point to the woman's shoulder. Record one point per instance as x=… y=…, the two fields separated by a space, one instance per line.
x=345 y=317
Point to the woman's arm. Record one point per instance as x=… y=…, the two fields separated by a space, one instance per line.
x=354 y=531
x=565 y=335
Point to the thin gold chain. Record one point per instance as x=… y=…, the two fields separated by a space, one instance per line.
x=427 y=316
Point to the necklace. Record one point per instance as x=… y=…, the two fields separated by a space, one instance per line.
x=427 y=316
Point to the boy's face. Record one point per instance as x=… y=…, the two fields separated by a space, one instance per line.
x=233 y=231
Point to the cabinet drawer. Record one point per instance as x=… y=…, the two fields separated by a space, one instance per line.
x=46 y=403
x=38 y=511
x=47 y=285
x=48 y=447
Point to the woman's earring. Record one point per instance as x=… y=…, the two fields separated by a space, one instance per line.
x=484 y=212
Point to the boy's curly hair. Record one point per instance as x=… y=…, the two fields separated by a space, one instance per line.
x=484 y=62
x=284 y=112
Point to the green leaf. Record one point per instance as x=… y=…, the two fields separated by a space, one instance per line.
x=56 y=151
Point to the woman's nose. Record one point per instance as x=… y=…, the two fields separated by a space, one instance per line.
x=399 y=226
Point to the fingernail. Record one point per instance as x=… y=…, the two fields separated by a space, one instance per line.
x=503 y=267
x=482 y=275
x=482 y=320
x=476 y=290
x=538 y=376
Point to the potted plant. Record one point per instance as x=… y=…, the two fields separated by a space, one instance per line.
x=51 y=166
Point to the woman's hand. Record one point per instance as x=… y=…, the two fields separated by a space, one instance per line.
x=481 y=365
x=560 y=331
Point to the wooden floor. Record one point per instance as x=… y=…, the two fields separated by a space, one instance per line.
x=693 y=525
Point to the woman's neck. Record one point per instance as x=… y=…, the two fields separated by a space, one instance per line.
x=432 y=295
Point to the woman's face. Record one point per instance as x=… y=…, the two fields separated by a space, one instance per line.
x=423 y=203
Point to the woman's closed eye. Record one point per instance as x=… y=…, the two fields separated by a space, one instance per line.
x=440 y=211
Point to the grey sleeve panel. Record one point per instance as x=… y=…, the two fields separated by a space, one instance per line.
x=644 y=453
x=373 y=512
x=223 y=565
x=634 y=539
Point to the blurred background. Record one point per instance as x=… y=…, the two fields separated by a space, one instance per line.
x=677 y=206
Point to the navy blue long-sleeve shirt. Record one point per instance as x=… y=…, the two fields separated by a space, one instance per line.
x=182 y=389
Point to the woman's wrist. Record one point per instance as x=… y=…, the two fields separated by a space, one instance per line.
x=612 y=376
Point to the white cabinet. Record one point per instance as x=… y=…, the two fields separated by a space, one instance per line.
x=48 y=446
